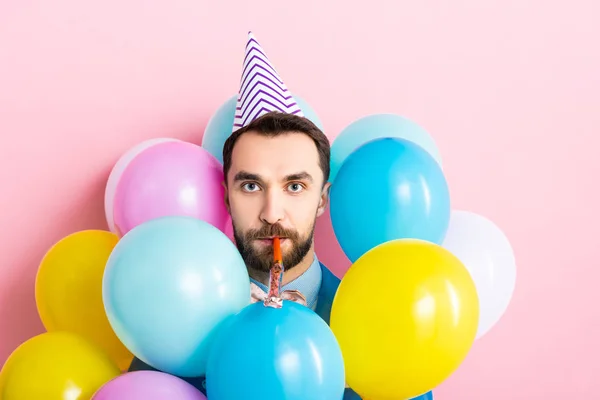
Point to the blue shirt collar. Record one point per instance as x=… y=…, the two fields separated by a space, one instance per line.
x=309 y=283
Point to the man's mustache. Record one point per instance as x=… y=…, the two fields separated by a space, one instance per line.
x=267 y=230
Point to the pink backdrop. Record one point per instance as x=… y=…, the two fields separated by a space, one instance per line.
x=509 y=89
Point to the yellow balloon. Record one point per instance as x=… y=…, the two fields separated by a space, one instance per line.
x=68 y=290
x=405 y=316
x=56 y=366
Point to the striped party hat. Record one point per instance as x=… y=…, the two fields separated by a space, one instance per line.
x=262 y=90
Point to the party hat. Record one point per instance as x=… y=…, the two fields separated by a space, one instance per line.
x=261 y=90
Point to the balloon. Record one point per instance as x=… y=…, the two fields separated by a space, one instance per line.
x=405 y=316
x=388 y=189
x=350 y=395
x=55 y=366
x=167 y=284
x=488 y=256
x=376 y=127
x=426 y=396
x=288 y=353
x=220 y=125
x=117 y=172
x=228 y=231
x=68 y=290
x=197 y=381
x=170 y=179
x=148 y=385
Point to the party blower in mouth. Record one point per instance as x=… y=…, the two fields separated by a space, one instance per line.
x=273 y=298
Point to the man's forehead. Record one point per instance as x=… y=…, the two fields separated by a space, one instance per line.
x=274 y=157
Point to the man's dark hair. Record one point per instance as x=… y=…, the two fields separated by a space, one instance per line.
x=276 y=123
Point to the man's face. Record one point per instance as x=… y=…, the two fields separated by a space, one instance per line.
x=275 y=188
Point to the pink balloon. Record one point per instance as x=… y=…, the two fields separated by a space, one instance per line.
x=170 y=179
x=117 y=171
x=229 y=230
x=147 y=385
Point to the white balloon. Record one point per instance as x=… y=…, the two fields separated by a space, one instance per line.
x=117 y=172
x=488 y=256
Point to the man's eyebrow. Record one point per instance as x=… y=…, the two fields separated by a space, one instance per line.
x=299 y=176
x=246 y=176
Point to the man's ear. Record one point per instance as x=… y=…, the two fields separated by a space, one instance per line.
x=226 y=197
x=324 y=200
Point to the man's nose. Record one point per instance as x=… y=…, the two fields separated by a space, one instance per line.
x=272 y=211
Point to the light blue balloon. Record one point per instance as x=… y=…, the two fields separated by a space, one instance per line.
x=378 y=126
x=388 y=189
x=167 y=284
x=220 y=125
x=288 y=353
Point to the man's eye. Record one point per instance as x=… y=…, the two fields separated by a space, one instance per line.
x=250 y=187
x=295 y=188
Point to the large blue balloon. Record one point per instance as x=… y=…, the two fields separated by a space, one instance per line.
x=167 y=284
x=378 y=126
x=388 y=189
x=220 y=125
x=266 y=353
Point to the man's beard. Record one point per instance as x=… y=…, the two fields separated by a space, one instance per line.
x=261 y=260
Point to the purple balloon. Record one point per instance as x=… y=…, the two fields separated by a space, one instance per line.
x=147 y=385
x=170 y=179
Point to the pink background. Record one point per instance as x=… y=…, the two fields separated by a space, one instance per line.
x=510 y=90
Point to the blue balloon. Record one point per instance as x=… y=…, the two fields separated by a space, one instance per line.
x=167 y=284
x=388 y=189
x=350 y=395
x=378 y=126
x=426 y=396
x=288 y=353
x=220 y=125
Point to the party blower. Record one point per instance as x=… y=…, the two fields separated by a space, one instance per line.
x=273 y=298
x=270 y=334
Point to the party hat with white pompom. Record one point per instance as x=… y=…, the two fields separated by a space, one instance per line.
x=261 y=90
